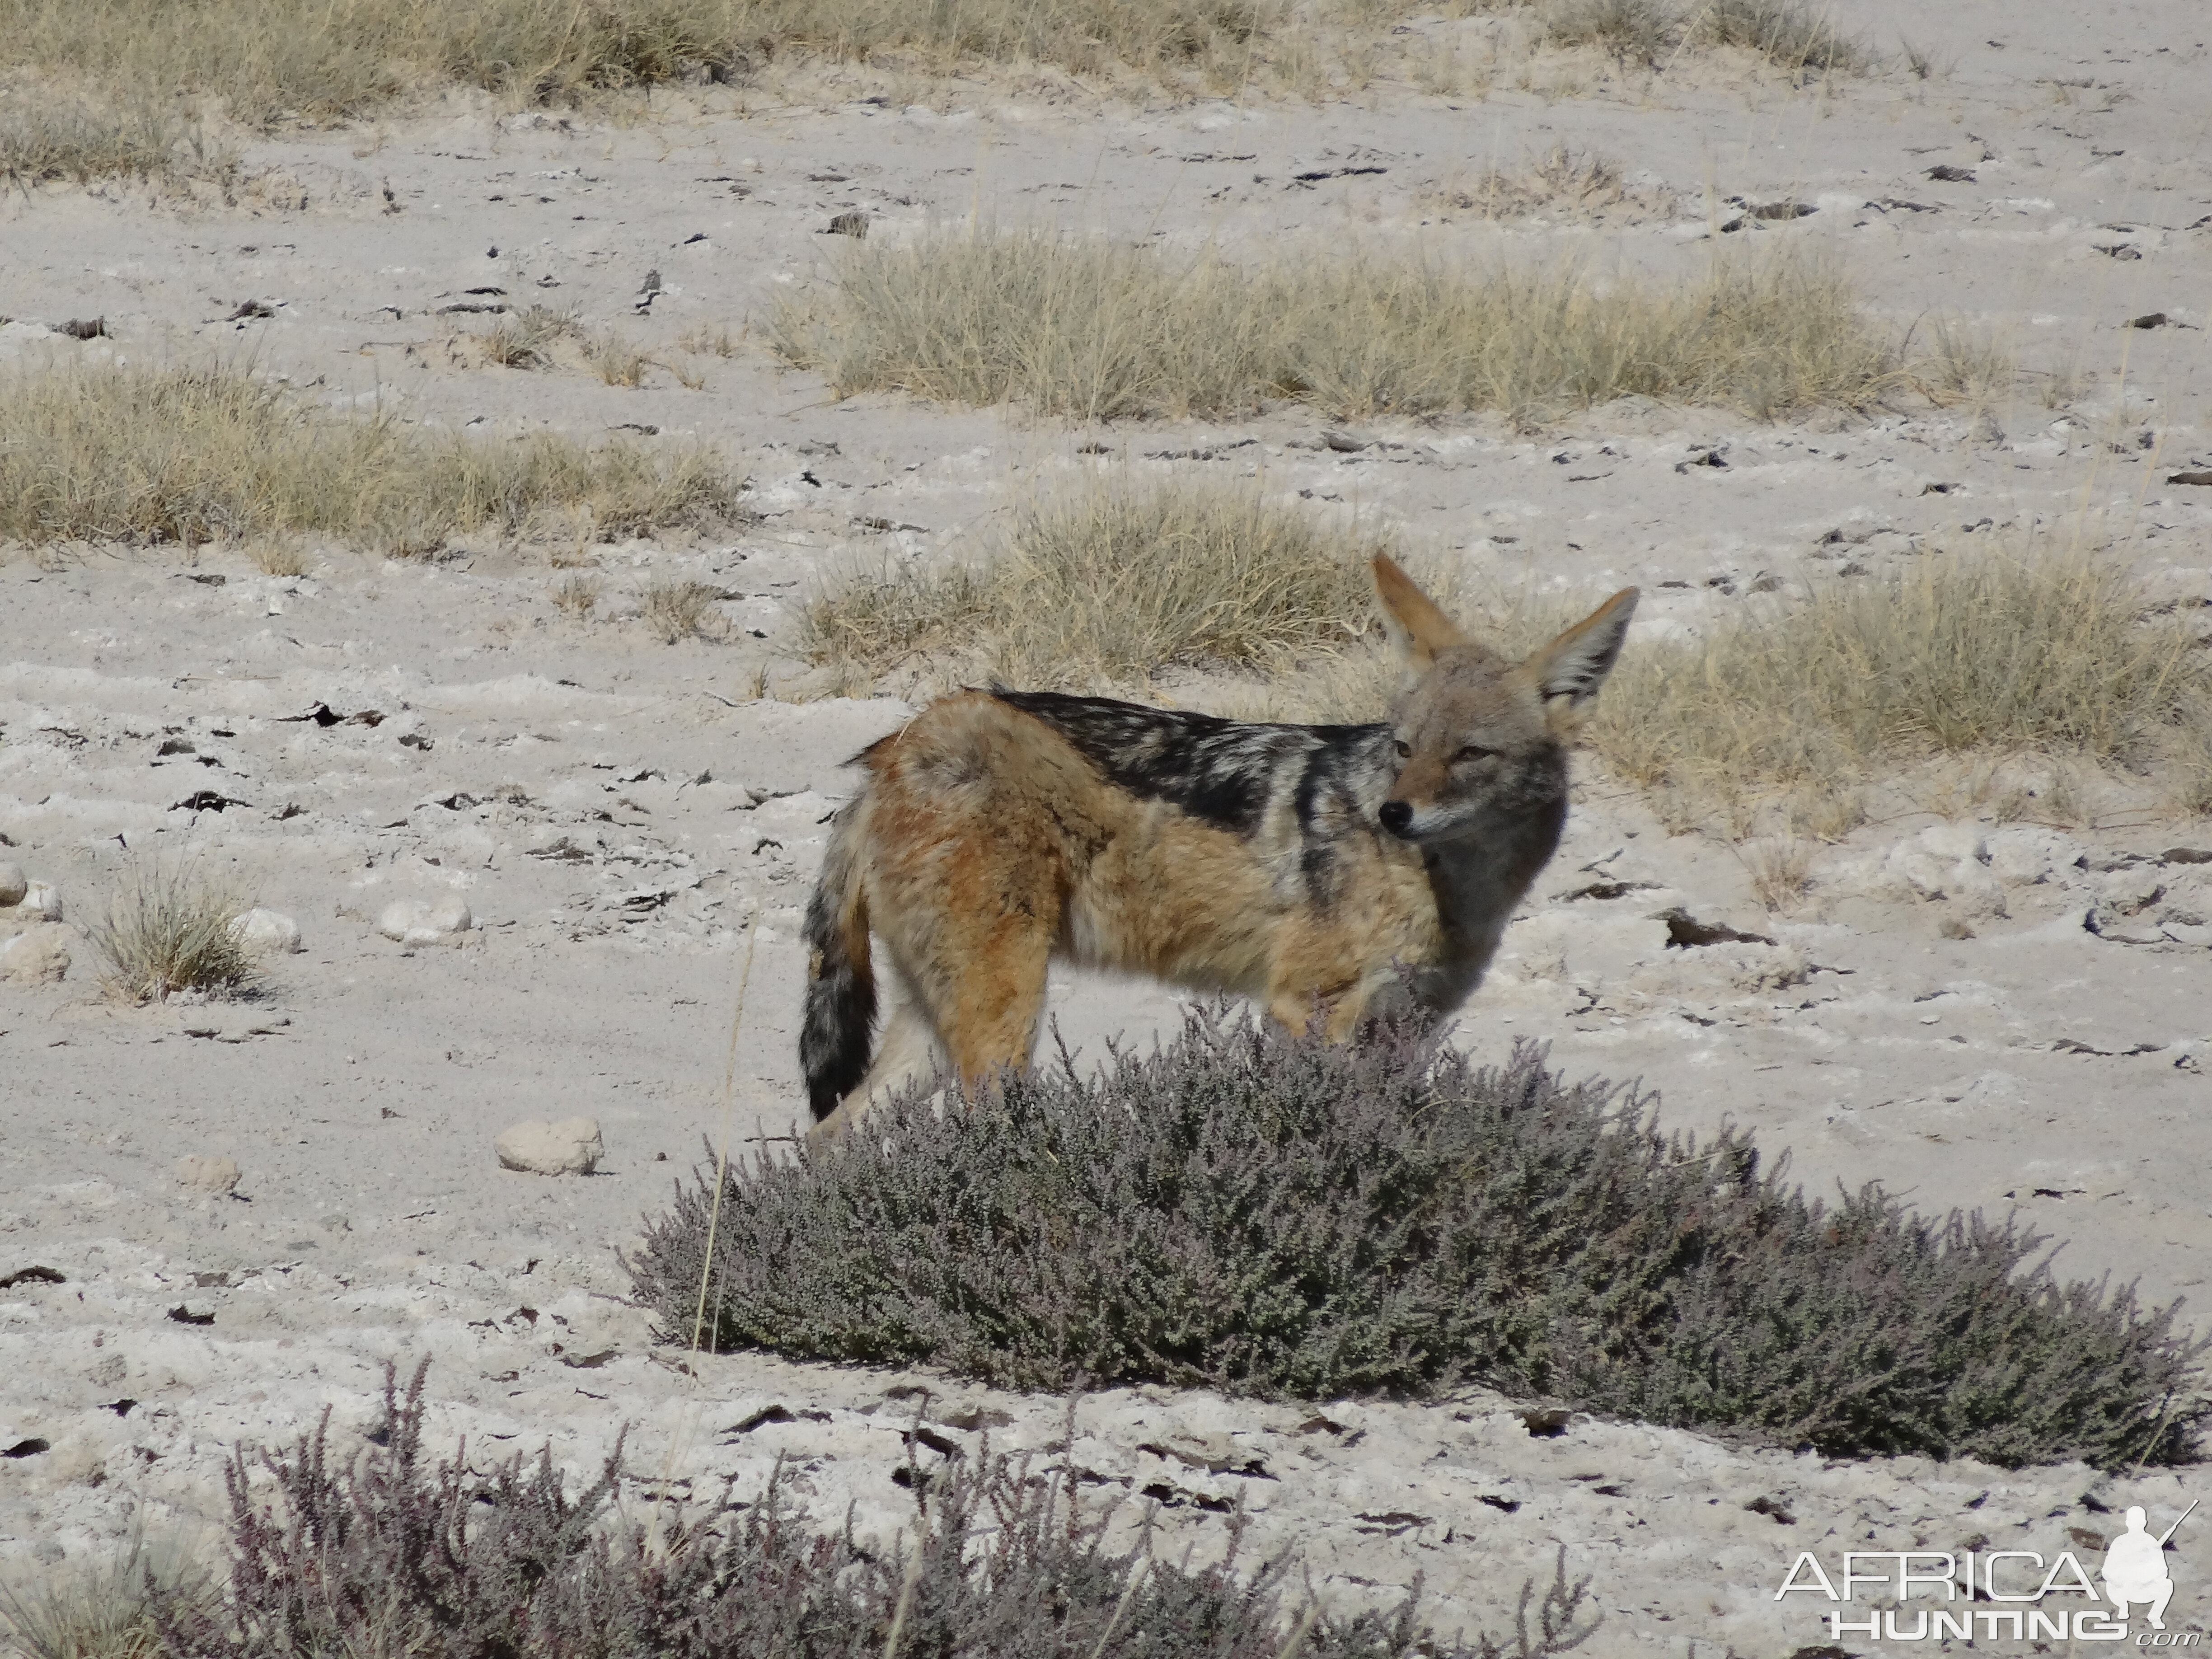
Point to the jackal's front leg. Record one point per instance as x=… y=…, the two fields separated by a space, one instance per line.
x=1334 y=1012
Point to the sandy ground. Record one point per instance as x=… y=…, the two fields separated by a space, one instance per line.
x=617 y=813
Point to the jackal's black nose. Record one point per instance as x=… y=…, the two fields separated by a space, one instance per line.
x=1397 y=816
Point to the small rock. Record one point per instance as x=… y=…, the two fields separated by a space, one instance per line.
x=2027 y=854
x=13 y=884
x=419 y=921
x=260 y=930
x=41 y=899
x=572 y=1146
x=38 y=956
x=1955 y=840
x=213 y=1175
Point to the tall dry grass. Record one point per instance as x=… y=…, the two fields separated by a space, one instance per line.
x=49 y=137
x=1099 y=589
x=1098 y=330
x=318 y=61
x=1794 y=35
x=1798 y=707
x=195 y=454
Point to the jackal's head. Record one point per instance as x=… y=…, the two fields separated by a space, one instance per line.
x=1481 y=742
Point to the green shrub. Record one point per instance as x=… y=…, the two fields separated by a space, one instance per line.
x=1276 y=1217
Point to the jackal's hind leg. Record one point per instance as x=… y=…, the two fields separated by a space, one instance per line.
x=988 y=1018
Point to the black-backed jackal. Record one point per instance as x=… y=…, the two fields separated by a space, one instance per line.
x=1332 y=872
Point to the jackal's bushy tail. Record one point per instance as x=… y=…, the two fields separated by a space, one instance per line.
x=841 y=983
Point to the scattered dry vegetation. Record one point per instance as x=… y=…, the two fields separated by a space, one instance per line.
x=48 y=137
x=167 y=929
x=1097 y=330
x=1799 y=706
x=192 y=455
x=381 y=1552
x=1102 y=587
x=108 y=87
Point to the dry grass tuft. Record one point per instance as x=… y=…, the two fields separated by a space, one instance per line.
x=1097 y=330
x=676 y=610
x=1564 y=181
x=1798 y=707
x=709 y=342
x=575 y=597
x=617 y=359
x=1639 y=31
x=525 y=339
x=1793 y=34
x=197 y=455
x=1965 y=363
x=1781 y=869
x=108 y=1612
x=168 y=930
x=1101 y=588
x=273 y=557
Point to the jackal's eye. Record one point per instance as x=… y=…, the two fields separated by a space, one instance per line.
x=1473 y=752
x=1405 y=749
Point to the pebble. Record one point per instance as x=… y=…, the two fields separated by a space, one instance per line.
x=426 y=922
x=43 y=900
x=211 y=1175
x=13 y=884
x=260 y=930
x=572 y=1146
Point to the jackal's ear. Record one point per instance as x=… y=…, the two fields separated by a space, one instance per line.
x=1567 y=672
x=1418 y=629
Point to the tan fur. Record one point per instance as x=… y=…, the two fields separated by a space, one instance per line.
x=984 y=844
